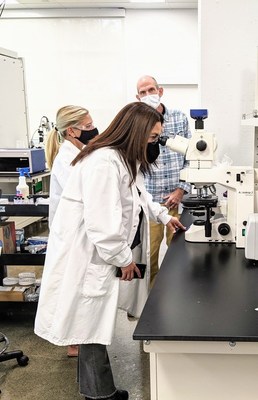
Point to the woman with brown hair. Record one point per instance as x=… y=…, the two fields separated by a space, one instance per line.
x=101 y=223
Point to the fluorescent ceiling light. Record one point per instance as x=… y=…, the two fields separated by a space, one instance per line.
x=11 y=2
x=147 y=1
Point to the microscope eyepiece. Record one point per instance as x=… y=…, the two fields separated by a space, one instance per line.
x=163 y=140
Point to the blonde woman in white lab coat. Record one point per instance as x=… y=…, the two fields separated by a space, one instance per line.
x=73 y=130
x=92 y=233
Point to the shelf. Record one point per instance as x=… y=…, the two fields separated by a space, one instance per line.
x=250 y=122
x=18 y=309
x=31 y=210
x=22 y=259
x=14 y=176
x=21 y=210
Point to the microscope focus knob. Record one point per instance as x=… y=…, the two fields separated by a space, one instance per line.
x=224 y=229
x=201 y=145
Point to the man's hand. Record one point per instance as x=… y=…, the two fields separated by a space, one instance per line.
x=128 y=272
x=174 y=198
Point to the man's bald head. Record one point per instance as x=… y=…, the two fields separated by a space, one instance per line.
x=146 y=80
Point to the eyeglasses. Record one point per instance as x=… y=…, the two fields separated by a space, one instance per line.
x=154 y=138
x=84 y=127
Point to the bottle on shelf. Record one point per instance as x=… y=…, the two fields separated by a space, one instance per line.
x=22 y=189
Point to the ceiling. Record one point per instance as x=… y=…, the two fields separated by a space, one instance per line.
x=64 y=4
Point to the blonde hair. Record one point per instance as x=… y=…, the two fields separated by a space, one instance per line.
x=66 y=117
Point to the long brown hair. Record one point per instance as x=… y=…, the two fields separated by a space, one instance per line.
x=128 y=133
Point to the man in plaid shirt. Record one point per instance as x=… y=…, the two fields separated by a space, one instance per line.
x=164 y=183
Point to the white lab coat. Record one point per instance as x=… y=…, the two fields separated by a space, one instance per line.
x=59 y=174
x=93 y=228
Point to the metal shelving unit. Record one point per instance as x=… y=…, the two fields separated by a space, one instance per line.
x=7 y=210
x=22 y=210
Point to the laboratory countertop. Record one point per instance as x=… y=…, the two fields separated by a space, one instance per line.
x=15 y=174
x=203 y=292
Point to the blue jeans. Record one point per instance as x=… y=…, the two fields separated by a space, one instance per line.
x=94 y=372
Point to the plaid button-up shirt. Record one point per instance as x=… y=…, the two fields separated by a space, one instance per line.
x=164 y=178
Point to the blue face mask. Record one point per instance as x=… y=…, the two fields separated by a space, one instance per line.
x=86 y=136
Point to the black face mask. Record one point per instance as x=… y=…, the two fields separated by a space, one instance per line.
x=86 y=136
x=152 y=152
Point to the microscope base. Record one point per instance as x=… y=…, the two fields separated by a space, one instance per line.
x=196 y=233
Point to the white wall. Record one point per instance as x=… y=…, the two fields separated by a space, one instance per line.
x=164 y=44
x=229 y=40
x=69 y=61
x=95 y=62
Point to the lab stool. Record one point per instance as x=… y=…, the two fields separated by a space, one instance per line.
x=22 y=360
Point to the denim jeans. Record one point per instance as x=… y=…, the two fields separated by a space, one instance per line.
x=95 y=373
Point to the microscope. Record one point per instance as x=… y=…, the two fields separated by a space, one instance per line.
x=222 y=221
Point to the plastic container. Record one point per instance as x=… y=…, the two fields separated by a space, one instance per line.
x=22 y=189
x=9 y=281
x=27 y=278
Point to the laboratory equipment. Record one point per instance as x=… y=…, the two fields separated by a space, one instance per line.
x=222 y=222
x=39 y=136
x=12 y=158
x=251 y=247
